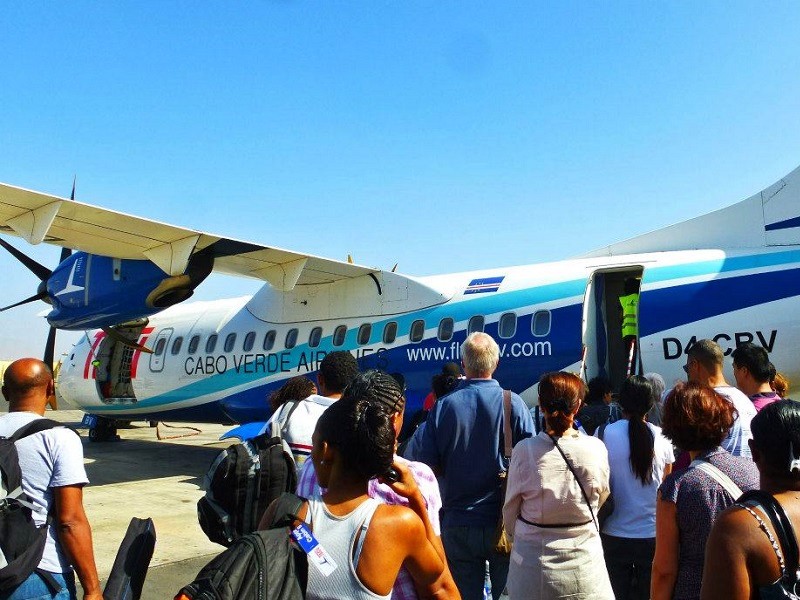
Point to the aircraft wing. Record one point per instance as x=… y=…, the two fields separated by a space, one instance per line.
x=38 y=217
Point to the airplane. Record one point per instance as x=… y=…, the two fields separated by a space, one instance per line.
x=732 y=275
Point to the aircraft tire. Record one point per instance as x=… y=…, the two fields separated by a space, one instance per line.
x=104 y=431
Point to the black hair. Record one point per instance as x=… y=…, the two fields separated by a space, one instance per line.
x=442 y=384
x=452 y=369
x=631 y=286
x=598 y=387
x=636 y=399
x=776 y=433
x=755 y=359
x=359 y=424
x=296 y=388
x=339 y=369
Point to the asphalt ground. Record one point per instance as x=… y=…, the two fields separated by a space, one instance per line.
x=142 y=476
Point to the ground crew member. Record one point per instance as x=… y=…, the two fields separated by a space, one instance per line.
x=630 y=321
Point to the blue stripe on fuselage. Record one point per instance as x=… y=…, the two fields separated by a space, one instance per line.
x=662 y=309
x=666 y=308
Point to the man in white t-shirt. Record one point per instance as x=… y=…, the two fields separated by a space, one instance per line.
x=704 y=365
x=297 y=421
x=53 y=477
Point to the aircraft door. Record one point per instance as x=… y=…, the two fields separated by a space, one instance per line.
x=605 y=353
x=160 y=350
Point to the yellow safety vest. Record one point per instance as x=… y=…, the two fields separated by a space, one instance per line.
x=630 y=313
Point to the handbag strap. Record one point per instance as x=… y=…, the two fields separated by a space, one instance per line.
x=783 y=528
x=507 y=442
x=726 y=482
x=580 y=485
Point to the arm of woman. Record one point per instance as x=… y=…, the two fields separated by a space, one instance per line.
x=726 y=553
x=427 y=565
x=665 y=562
x=380 y=560
x=407 y=487
x=431 y=577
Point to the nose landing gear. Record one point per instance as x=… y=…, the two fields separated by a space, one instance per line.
x=102 y=429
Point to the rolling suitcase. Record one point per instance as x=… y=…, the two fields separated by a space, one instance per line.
x=133 y=558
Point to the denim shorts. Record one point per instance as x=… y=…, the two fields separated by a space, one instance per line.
x=35 y=588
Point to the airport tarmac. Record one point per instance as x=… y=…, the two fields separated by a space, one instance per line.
x=142 y=476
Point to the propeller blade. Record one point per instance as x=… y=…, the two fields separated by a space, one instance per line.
x=33 y=298
x=67 y=252
x=50 y=348
x=117 y=336
x=49 y=355
x=34 y=267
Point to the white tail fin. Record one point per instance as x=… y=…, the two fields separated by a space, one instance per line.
x=768 y=218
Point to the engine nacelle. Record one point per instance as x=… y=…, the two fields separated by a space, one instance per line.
x=89 y=291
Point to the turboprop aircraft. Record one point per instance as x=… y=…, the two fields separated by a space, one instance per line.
x=732 y=275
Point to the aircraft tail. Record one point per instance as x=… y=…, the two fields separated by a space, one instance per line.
x=768 y=218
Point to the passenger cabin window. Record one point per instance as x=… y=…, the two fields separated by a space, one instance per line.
x=475 y=324
x=417 y=331
x=269 y=340
x=315 y=337
x=507 y=326
x=211 y=343
x=160 y=346
x=363 y=333
x=176 y=345
x=249 y=341
x=540 y=324
x=194 y=343
x=339 y=334
x=291 y=338
x=230 y=341
x=445 y=332
x=390 y=332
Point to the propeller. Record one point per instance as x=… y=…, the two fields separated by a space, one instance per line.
x=43 y=273
x=67 y=252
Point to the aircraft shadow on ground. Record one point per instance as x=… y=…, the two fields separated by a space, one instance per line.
x=129 y=460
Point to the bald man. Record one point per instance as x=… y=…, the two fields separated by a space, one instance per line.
x=53 y=477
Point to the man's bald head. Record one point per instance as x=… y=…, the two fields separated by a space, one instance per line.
x=27 y=384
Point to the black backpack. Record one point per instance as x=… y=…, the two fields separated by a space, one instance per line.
x=21 y=541
x=241 y=483
x=265 y=565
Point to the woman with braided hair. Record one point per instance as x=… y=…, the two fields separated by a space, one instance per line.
x=745 y=555
x=557 y=482
x=369 y=541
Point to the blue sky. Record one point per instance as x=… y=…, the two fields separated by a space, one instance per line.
x=443 y=136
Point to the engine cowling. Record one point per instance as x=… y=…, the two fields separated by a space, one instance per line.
x=89 y=291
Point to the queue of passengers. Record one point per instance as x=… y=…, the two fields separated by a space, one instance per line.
x=433 y=523
x=566 y=542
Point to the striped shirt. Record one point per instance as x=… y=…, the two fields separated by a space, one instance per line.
x=403 y=588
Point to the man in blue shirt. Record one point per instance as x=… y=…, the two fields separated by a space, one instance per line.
x=463 y=443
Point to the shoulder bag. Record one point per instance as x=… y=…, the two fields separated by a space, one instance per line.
x=580 y=485
x=502 y=543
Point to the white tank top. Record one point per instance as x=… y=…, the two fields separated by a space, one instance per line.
x=338 y=536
